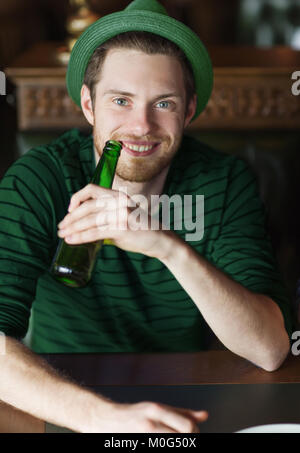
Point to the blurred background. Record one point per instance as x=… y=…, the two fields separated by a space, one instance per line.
x=255 y=48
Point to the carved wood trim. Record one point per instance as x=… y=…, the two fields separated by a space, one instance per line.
x=242 y=98
x=45 y=104
x=251 y=98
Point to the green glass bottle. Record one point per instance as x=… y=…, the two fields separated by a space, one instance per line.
x=72 y=265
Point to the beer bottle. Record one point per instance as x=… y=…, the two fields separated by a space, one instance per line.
x=72 y=265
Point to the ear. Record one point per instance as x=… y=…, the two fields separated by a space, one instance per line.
x=86 y=104
x=190 y=110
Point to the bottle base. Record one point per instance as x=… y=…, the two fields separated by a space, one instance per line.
x=68 y=277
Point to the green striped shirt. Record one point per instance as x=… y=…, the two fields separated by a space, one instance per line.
x=133 y=302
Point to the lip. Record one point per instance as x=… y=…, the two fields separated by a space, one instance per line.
x=140 y=153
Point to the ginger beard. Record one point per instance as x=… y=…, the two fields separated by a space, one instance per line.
x=144 y=168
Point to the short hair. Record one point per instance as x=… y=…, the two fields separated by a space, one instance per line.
x=146 y=42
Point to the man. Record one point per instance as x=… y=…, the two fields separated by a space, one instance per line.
x=151 y=289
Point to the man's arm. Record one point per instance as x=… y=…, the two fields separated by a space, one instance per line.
x=250 y=325
x=246 y=321
x=28 y=383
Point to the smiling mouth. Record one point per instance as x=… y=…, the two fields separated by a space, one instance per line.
x=142 y=149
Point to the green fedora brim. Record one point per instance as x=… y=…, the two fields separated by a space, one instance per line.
x=141 y=20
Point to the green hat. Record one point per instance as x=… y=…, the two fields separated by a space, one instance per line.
x=141 y=15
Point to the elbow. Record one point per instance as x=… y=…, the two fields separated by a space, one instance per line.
x=273 y=365
x=275 y=358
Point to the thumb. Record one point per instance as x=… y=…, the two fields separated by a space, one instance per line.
x=200 y=416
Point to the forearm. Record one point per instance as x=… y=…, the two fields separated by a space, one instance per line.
x=28 y=383
x=251 y=325
x=31 y=385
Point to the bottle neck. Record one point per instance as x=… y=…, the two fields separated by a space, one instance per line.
x=105 y=170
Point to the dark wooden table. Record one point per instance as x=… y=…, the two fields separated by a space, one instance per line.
x=236 y=393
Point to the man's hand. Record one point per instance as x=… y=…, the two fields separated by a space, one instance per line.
x=146 y=417
x=96 y=213
x=30 y=384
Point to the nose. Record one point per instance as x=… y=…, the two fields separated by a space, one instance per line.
x=142 y=121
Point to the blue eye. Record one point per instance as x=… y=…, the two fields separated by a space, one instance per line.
x=164 y=104
x=120 y=101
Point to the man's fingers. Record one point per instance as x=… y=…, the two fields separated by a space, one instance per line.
x=162 y=428
x=105 y=221
x=153 y=417
x=89 y=191
x=199 y=416
x=86 y=222
x=187 y=423
x=86 y=236
x=83 y=204
x=182 y=420
x=82 y=211
x=97 y=193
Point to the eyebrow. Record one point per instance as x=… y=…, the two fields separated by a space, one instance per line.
x=126 y=93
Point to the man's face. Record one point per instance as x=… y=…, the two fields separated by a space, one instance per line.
x=140 y=100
